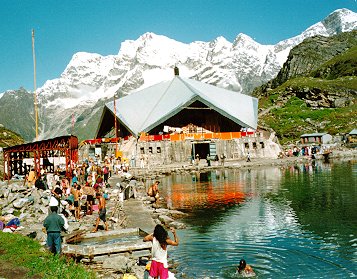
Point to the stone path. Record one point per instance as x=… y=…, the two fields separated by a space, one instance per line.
x=138 y=216
x=136 y=213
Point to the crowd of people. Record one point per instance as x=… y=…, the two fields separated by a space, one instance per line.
x=304 y=151
x=73 y=198
x=76 y=197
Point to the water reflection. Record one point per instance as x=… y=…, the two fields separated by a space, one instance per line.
x=287 y=222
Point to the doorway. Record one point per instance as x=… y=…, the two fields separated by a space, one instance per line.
x=202 y=149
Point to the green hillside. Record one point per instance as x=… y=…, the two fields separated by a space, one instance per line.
x=322 y=100
x=9 y=138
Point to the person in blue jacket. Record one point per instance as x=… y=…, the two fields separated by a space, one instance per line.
x=54 y=224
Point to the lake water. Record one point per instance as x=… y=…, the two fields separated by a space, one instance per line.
x=291 y=222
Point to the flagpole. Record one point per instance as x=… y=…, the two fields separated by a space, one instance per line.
x=34 y=81
x=115 y=127
x=72 y=123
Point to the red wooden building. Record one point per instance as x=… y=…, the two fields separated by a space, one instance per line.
x=40 y=152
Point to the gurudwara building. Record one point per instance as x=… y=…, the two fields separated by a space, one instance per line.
x=183 y=119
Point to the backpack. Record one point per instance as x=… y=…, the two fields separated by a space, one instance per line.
x=14 y=221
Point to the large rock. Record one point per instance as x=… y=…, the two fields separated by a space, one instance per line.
x=166 y=219
x=162 y=210
x=177 y=225
x=117 y=263
x=177 y=214
x=20 y=203
x=8 y=210
x=19 y=188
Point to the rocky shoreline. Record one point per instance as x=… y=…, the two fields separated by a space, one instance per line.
x=30 y=205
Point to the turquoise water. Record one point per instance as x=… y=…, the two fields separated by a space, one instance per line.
x=293 y=222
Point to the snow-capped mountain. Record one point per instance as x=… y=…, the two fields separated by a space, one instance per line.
x=239 y=66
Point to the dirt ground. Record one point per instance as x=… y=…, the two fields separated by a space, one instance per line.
x=9 y=271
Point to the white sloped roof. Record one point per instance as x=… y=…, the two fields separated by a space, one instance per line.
x=353 y=132
x=313 y=135
x=143 y=110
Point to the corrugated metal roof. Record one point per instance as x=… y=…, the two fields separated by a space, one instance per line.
x=145 y=109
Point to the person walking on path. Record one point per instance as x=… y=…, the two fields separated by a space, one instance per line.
x=54 y=224
x=102 y=212
x=160 y=240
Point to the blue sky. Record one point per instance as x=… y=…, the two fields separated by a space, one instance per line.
x=64 y=27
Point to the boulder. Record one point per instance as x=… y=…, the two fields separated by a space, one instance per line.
x=162 y=210
x=166 y=219
x=23 y=216
x=177 y=214
x=138 y=271
x=36 y=196
x=177 y=225
x=8 y=210
x=18 y=188
x=20 y=203
x=117 y=263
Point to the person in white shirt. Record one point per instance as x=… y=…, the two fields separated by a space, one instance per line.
x=160 y=240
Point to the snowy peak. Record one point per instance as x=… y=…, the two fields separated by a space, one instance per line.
x=243 y=40
x=341 y=20
x=154 y=50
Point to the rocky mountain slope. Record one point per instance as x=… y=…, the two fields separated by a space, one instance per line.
x=72 y=103
x=315 y=91
x=17 y=112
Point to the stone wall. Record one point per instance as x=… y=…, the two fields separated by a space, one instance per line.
x=160 y=153
x=167 y=152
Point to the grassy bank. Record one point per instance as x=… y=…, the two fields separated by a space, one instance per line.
x=290 y=115
x=22 y=257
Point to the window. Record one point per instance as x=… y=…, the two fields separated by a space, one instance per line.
x=262 y=144
x=150 y=149
x=142 y=150
x=254 y=145
x=158 y=149
x=246 y=145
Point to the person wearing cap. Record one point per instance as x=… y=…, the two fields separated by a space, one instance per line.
x=245 y=269
x=54 y=224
